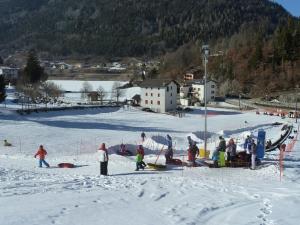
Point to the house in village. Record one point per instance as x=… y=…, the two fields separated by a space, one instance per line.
x=193 y=91
x=159 y=95
x=10 y=74
x=192 y=74
x=93 y=96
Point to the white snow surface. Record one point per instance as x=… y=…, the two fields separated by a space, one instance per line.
x=178 y=195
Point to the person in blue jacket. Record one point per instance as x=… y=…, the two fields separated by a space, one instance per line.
x=247 y=147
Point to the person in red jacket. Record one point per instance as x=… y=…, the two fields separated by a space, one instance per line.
x=41 y=153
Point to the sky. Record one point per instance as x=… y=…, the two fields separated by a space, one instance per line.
x=293 y=6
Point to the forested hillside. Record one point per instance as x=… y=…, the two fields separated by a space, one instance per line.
x=127 y=27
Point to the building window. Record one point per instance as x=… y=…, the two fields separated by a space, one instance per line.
x=167 y=89
x=171 y=102
x=171 y=94
x=212 y=86
x=146 y=94
x=212 y=92
x=151 y=102
x=158 y=95
x=171 y=87
x=146 y=102
x=151 y=94
x=158 y=102
x=158 y=88
x=198 y=89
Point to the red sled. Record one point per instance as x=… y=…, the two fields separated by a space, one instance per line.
x=176 y=162
x=66 y=165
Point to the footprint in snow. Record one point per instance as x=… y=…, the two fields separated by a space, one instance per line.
x=141 y=193
x=144 y=182
x=161 y=196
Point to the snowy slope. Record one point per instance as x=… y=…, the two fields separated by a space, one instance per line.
x=179 y=195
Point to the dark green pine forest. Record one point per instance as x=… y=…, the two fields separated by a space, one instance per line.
x=258 y=39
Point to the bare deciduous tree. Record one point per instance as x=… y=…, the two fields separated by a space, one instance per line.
x=101 y=92
x=117 y=92
x=86 y=88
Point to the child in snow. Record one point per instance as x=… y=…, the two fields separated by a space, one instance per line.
x=7 y=144
x=215 y=158
x=142 y=152
x=139 y=160
x=169 y=152
x=247 y=148
x=193 y=151
x=253 y=154
x=42 y=154
x=143 y=136
x=102 y=157
x=122 y=149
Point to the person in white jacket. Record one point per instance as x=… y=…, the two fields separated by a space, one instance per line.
x=102 y=157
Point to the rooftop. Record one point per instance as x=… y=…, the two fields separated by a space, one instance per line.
x=156 y=83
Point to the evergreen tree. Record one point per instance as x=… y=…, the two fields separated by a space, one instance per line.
x=2 y=89
x=33 y=72
x=257 y=57
x=1 y=61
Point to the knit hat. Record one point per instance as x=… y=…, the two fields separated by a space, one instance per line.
x=102 y=146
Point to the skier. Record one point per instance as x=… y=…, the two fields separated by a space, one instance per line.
x=143 y=136
x=7 y=144
x=139 y=161
x=253 y=154
x=42 y=154
x=142 y=152
x=102 y=156
x=169 y=152
x=231 y=151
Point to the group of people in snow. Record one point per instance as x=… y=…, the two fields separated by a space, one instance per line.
x=230 y=148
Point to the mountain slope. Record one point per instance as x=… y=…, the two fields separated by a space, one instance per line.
x=126 y=27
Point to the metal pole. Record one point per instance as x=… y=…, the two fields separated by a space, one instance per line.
x=205 y=49
x=240 y=101
x=296 y=109
x=205 y=105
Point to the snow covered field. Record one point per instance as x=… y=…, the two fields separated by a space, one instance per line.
x=178 y=195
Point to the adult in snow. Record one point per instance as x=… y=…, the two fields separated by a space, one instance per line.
x=169 y=152
x=41 y=153
x=143 y=136
x=231 y=151
x=253 y=154
x=7 y=144
x=142 y=152
x=222 y=144
x=102 y=157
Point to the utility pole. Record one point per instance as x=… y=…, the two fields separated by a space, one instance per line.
x=205 y=51
x=296 y=108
